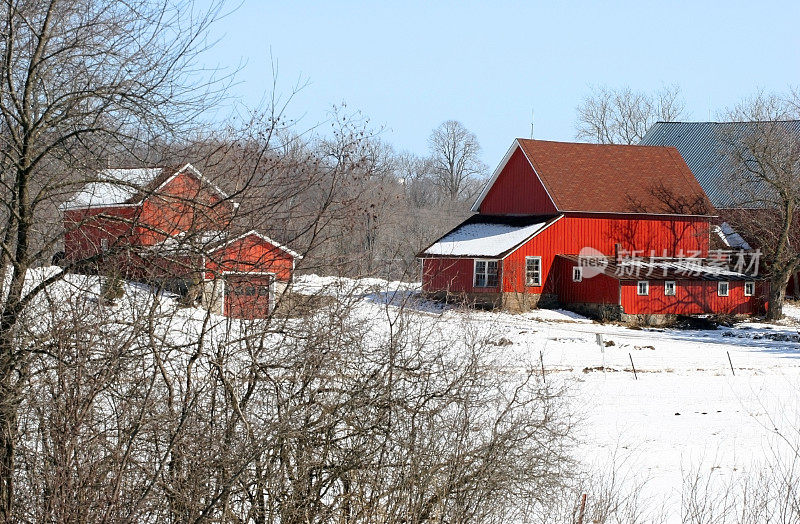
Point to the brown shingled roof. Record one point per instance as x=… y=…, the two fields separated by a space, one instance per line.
x=616 y=178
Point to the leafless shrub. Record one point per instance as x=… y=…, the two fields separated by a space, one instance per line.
x=149 y=412
x=614 y=494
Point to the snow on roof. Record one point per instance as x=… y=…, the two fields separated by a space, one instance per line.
x=730 y=237
x=686 y=266
x=209 y=241
x=113 y=187
x=486 y=236
x=266 y=239
x=678 y=268
x=185 y=243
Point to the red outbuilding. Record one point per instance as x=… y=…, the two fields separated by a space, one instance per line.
x=174 y=226
x=613 y=230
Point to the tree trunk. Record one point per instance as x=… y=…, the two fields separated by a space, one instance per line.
x=777 y=294
x=9 y=415
x=8 y=439
x=10 y=364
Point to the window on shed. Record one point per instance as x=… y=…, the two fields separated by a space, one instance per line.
x=103 y=245
x=749 y=289
x=643 y=287
x=669 y=288
x=486 y=273
x=533 y=271
x=723 y=288
x=577 y=274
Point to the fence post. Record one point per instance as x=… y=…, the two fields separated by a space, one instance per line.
x=602 y=344
x=541 y=360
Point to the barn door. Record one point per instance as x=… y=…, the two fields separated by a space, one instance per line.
x=248 y=296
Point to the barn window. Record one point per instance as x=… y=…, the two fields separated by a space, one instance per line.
x=103 y=245
x=722 y=289
x=533 y=271
x=643 y=287
x=486 y=273
x=749 y=289
x=669 y=288
x=577 y=274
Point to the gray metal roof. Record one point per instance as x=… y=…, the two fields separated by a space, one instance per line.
x=705 y=147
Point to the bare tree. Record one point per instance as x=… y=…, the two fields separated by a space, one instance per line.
x=455 y=164
x=80 y=82
x=623 y=116
x=764 y=161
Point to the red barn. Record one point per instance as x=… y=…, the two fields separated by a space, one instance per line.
x=174 y=226
x=614 y=230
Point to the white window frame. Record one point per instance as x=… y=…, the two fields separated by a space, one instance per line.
x=538 y=281
x=103 y=245
x=727 y=286
x=666 y=288
x=485 y=272
x=646 y=288
x=577 y=273
x=752 y=285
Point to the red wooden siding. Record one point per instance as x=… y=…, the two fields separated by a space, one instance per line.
x=692 y=297
x=648 y=235
x=251 y=254
x=599 y=289
x=183 y=204
x=85 y=230
x=574 y=232
x=454 y=275
x=517 y=191
x=248 y=296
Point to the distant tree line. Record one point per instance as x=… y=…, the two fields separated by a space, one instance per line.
x=381 y=206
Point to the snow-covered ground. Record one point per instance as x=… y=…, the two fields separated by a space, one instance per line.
x=717 y=402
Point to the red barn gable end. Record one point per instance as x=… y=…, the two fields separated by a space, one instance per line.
x=604 y=200
x=141 y=207
x=138 y=221
x=517 y=190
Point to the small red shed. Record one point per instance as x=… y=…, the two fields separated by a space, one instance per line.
x=255 y=270
x=548 y=200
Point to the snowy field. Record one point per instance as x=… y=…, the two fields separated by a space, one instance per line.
x=715 y=402
x=718 y=402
